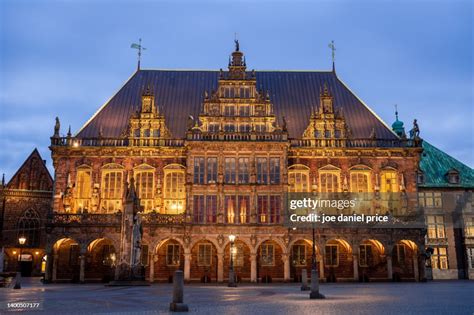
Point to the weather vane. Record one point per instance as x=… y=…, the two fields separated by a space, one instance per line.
x=333 y=53
x=236 y=41
x=139 y=47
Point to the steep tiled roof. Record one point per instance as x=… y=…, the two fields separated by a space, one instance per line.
x=31 y=174
x=435 y=164
x=180 y=93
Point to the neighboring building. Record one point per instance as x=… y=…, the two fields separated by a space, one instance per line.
x=213 y=153
x=445 y=193
x=26 y=201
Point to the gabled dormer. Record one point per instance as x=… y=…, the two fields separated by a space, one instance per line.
x=147 y=122
x=453 y=176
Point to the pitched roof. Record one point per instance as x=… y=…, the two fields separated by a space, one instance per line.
x=31 y=173
x=435 y=164
x=180 y=93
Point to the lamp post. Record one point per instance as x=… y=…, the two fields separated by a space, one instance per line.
x=21 y=241
x=232 y=283
x=314 y=294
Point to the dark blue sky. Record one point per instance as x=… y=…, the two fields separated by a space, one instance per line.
x=66 y=58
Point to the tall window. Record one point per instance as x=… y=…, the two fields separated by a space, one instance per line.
x=388 y=182
x=298 y=179
x=267 y=254
x=83 y=187
x=274 y=170
x=435 y=226
x=298 y=255
x=29 y=227
x=229 y=110
x=230 y=171
x=470 y=227
x=174 y=190
x=112 y=186
x=237 y=209
x=205 y=209
x=172 y=255
x=365 y=250
x=244 y=170
x=244 y=110
x=331 y=255
x=430 y=199
x=211 y=209
x=211 y=170
x=268 y=209
x=204 y=254
x=198 y=207
x=329 y=181
x=360 y=181
x=262 y=170
x=144 y=184
x=199 y=170
x=470 y=256
x=439 y=259
x=237 y=255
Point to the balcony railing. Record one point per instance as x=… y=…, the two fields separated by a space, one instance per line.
x=236 y=136
x=99 y=219
x=115 y=142
x=356 y=143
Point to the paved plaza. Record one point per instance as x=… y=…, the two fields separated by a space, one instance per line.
x=443 y=297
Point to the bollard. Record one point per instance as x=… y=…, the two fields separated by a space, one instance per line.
x=177 y=304
x=17 y=281
x=315 y=286
x=304 y=280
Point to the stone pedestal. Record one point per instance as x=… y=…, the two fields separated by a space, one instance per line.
x=177 y=304
x=315 y=286
x=17 y=281
x=304 y=280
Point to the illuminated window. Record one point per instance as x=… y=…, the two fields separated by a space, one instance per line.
x=229 y=128
x=298 y=255
x=83 y=187
x=365 y=252
x=360 y=181
x=389 y=182
x=204 y=254
x=298 y=179
x=244 y=128
x=470 y=227
x=470 y=256
x=229 y=110
x=430 y=199
x=260 y=128
x=329 y=181
x=244 y=110
x=173 y=255
x=435 y=226
x=230 y=171
x=237 y=255
x=237 y=209
x=144 y=185
x=331 y=255
x=174 y=190
x=439 y=259
x=29 y=227
x=230 y=209
x=112 y=189
x=267 y=254
x=268 y=209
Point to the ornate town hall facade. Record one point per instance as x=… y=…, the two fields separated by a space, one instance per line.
x=214 y=153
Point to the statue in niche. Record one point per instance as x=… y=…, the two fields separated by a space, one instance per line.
x=68 y=198
x=137 y=232
x=95 y=199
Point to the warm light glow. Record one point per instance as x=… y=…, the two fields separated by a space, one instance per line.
x=231 y=238
x=14 y=252
x=75 y=144
x=37 y=253
x=22 y=240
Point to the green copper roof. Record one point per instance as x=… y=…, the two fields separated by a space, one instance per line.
x=435 y=164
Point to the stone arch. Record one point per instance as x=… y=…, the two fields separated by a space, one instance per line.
x=270 y=253
x=372 y=260
x=66 y=252
x=168 y=257
x=338 y=260
x=276 y=240
x=100 y=260
x=404 y=259
x=241 y=260
x=301 y=254
x=204 y=260
x=214 y=241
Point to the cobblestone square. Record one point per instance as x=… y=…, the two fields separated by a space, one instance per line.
x=444 y=297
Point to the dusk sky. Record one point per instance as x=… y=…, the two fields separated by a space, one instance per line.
x=66 y=58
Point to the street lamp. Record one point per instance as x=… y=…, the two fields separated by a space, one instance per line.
x=232 y=283
x=21 y=241
x=314 y=294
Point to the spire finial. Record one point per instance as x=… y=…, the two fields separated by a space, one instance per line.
x=3 y=180
x=333 y=54
x=69 y=134
x=396 y=111
x=139 y=47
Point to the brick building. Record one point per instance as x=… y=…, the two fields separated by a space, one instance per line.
x=213 y=154
x=26 y=202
